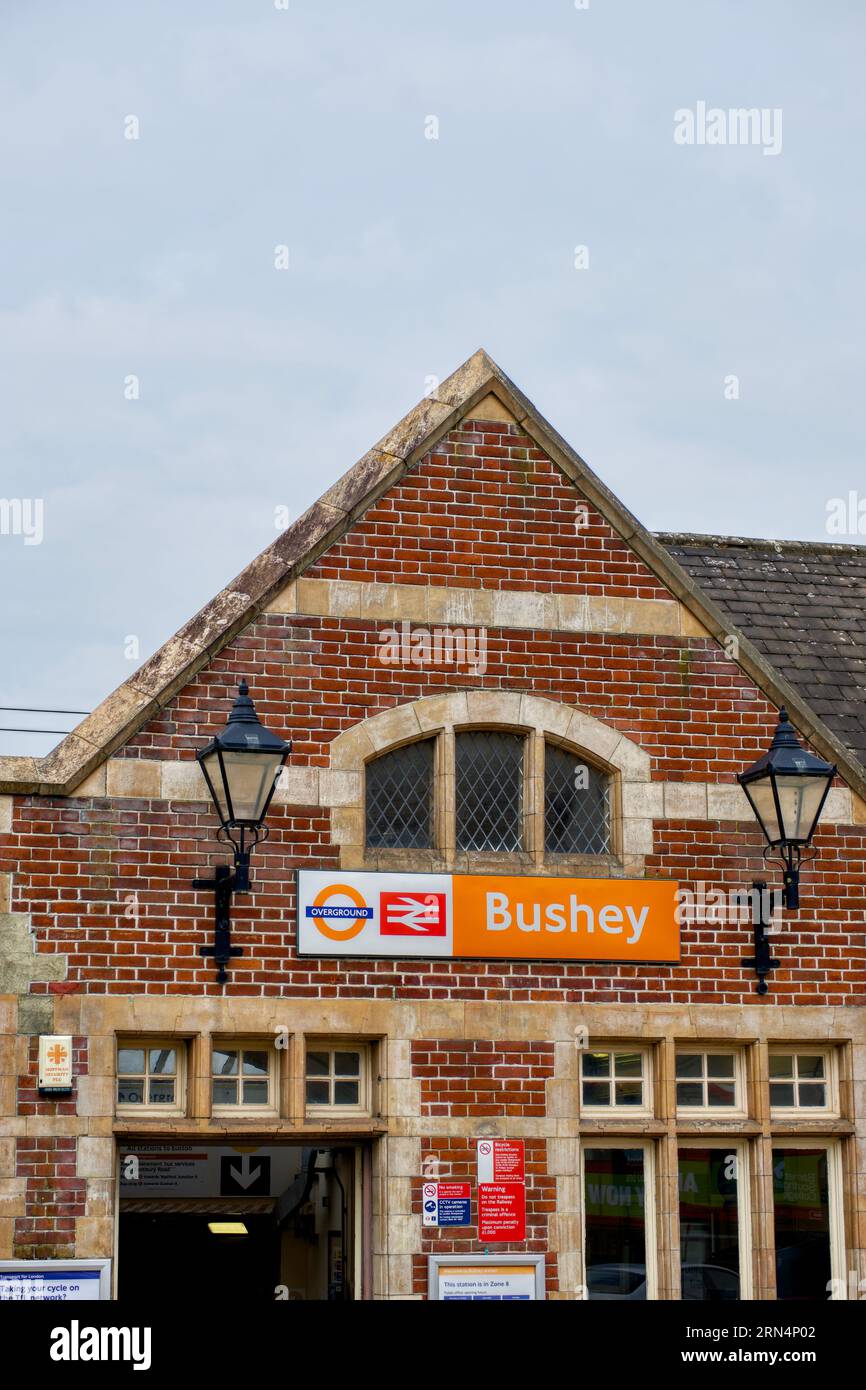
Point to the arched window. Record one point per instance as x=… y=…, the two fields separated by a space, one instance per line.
x=399 y=801
x=510 y=793
x=576 y=804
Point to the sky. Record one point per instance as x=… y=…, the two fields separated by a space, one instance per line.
x=169 y=392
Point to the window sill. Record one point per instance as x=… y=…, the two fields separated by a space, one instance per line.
x=434 y=861
x=618 y=1123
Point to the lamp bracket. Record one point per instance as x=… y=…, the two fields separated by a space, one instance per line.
x=762 y=962
x=223 y=885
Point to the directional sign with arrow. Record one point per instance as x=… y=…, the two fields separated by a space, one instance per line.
x=247 y=1175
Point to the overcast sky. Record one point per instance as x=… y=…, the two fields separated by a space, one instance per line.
x=308 y=127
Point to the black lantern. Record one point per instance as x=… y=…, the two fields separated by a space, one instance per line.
x=787 y=789
x=241 y=766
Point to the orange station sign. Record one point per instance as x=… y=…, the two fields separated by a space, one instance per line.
x=486 y=916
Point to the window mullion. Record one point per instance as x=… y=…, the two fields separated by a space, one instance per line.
x=533 y=809
x=445 y=796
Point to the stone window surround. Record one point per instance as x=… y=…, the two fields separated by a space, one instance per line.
x=540 y=720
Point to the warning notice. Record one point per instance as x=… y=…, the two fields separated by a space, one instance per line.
x=501 y=1211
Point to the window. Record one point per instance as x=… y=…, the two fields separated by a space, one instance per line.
x=242 y=1075
x=150 y=1073
x=489 y=791
x=615 y=1079
x=576 y=805
x=619 y=1235
x=337 y=1077
x=714 y=1253
x=399 y=812
x=708 y=1080
x=489 y=806
x=810 y=1261
x=801 y=1081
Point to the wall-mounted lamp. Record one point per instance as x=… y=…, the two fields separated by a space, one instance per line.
x=241 y=766
x=787 y=789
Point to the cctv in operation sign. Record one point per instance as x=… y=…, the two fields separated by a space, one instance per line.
x=478 y=916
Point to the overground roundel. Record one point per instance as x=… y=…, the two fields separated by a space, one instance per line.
x=352 y=919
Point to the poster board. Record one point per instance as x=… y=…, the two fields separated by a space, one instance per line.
x=55 y=1281
x=485 y=1278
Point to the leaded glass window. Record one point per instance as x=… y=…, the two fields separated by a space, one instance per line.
x=489 y=791
x=576 y=805
x=400 y=798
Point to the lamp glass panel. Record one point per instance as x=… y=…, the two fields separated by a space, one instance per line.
x=250 y=777
x=211 y=764
x=800 y=798
x=760 y=794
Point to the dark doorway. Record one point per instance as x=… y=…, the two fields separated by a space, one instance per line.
x=179 y=1257
x=236 y=1221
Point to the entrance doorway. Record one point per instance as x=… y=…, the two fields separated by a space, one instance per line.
x=256 y=1222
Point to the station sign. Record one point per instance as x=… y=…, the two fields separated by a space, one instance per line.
x=486 y=916
x=485 y=1278
x=163 y=1169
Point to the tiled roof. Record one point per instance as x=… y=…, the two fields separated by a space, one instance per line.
x=803 y=605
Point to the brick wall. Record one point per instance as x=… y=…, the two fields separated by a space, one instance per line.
x=107 y=883
x=487 y=509
x=482 y=1079
x=54 y=1198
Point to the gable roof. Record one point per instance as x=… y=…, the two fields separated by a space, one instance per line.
x=803 y=605
x=122 y=714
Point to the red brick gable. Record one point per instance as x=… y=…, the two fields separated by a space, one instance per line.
x=486 y=508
